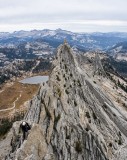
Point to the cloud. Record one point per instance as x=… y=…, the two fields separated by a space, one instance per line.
x=91 y=15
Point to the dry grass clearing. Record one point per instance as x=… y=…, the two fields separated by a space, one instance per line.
x=23 y=92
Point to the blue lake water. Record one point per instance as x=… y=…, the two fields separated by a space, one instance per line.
x=35 y=80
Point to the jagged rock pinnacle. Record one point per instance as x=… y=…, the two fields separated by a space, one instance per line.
x=73 y=119
x=65 y=41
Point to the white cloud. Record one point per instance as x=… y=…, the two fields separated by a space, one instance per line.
x=76 y=15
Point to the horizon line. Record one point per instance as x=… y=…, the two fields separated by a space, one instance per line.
x=30 y=30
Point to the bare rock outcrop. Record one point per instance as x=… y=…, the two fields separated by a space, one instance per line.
x=73 y=119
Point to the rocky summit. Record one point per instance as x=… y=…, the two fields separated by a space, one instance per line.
x=74 y=115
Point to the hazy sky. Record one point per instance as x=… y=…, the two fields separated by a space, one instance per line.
x=73 y=15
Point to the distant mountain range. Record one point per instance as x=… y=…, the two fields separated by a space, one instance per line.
x=82 y=41
x=119 y=51
x=36 y=44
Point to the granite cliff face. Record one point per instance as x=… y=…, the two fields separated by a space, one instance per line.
x=72 y=116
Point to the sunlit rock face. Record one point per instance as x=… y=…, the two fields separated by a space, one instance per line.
x=72 y=117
